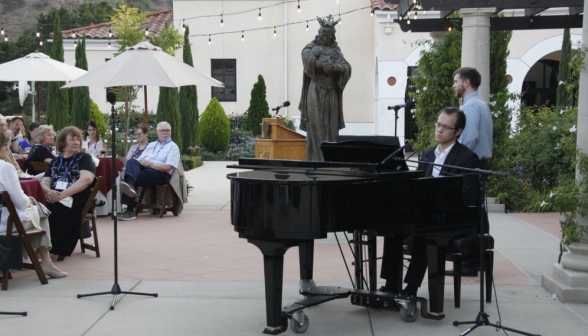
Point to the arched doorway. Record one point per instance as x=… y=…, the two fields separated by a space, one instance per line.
x=540 y=83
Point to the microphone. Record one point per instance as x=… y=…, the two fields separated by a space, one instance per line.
x=393 y=154
x=277 y=108
x=407 y=105
x=111 y=97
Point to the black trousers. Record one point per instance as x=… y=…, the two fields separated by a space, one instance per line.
x=138 y=176
x=392 y=262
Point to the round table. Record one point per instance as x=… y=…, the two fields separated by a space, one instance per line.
x=104 y=169
x=21 y=163
x=32 y=187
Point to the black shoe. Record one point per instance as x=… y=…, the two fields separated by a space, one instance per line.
x=385 y=289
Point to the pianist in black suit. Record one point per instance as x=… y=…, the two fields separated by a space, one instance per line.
x=449 y=125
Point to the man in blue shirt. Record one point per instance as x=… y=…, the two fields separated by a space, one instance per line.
x=153 y=167
x=477 y=135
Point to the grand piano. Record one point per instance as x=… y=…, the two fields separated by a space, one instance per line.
x=279 y=204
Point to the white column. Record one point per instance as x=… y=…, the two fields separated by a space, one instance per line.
x=475 y=49
x=570 y=279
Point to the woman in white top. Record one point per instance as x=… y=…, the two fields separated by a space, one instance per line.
x=93 y=145
x=9 y=182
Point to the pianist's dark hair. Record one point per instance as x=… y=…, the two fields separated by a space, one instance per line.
x=460 y=122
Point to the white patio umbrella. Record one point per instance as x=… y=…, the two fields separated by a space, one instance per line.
x=37 y=67
x=144 y=64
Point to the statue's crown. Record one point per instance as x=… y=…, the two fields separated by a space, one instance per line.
x=328 y=21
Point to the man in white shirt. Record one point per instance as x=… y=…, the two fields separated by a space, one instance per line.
x=448 y=128
x=153 y=167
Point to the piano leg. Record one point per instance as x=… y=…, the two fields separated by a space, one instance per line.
x=306 y=257
x=273 y=267
x=436 y=264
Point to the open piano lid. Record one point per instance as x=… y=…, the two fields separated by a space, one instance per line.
x=363 y=152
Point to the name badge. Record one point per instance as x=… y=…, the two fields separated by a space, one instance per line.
x=61 y=185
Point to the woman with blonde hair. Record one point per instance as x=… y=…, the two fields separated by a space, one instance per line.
x=9 y=182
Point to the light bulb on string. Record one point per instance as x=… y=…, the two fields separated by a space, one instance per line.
x=299 y=6
x=408 y=21
x=110 y=32
x=242 y=36
x=274 y=31
x=209 y=40
x=146 y=31
x=415 y=15
x=340 y=21
x=259 y=15
x=109 y=45
x=371 y=14
x=2 y=28
x=449 y=29
x=307 y=25
x=41 y=43
x=183 y=26
x=38 y=32
x=222 y=21
x=75 y=44
x=6 y=37
x=73 y=34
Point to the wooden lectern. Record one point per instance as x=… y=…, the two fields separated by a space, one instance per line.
x=279 y=142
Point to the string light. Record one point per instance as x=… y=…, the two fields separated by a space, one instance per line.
x=371 y=14
x=110 y=31
x=306 y=25
x=408 y=21
x=38 y=32
x=259 y=16
x=73 y=34
x=242 y=35
x=109 y=45
x=298 y=6
x=209 y=40
x=274 y=31
x=75 y=43
x=340 y=21
x=5 y=36
x=146 y=31
x=415 y=15
x=41 y=43
x=222 y=22
x=183 y=26
x=2 y=29
x=449 y=29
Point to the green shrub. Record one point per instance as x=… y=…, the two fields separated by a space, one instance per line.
x=191 y=162
x=97 y=116
x=258 y=107
x=215 y=128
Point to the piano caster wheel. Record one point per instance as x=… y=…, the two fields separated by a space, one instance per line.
x=410 y=313
x=297 y=327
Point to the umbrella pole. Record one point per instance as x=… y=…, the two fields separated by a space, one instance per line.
x=33 y=92
x=146 y=109
x=115 y=287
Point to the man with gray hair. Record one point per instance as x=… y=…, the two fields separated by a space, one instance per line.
x=153 y=167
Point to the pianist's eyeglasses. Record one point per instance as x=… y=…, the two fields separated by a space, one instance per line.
x=443 y=127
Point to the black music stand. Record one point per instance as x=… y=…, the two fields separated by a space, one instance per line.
x=115 y=287
x=482 y=317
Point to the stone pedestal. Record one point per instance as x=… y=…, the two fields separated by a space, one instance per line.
x=475 y=50
x=569 y=280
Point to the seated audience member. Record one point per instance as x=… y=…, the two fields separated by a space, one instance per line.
x=67 y=187
x=93 y=145
x=153 y=167
x=29 y=140
x=16 y=125
x=9 y=157
x=41 y=151
x=142 y=136
x=9 y=182
x=448 y=128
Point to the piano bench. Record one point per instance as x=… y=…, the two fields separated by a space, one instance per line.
x=467 y=249
x=154 y=203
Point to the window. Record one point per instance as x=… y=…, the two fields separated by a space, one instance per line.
x=225 y=70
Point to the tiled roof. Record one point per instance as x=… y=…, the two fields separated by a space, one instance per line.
x=381 y=5
x=155 y=22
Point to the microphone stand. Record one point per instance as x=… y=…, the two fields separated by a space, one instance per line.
x=396 y=108
x=482 y=317
x=116 y=287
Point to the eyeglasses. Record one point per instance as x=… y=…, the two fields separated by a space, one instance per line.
x=164 y=130
x=443 y=127
x=3 y=125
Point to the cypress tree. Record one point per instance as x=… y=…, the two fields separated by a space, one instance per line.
x=563 y=96
x=258 y=107
x=57 y=99
x=189 y=102
x=80 y=104
x=168 y=109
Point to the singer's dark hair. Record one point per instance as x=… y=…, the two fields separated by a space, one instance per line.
x=91 y=124
x=469 y=73
x=460 y=121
